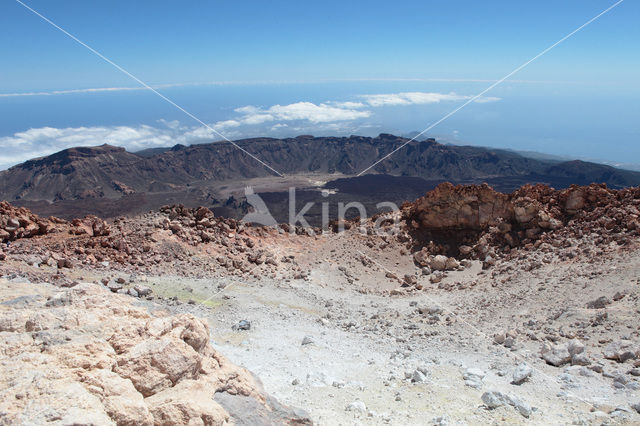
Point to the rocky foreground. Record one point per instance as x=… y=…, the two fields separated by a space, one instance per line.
x=86 y=356
x=472 y=307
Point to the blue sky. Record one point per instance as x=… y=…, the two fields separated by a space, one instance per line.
x=576 y=99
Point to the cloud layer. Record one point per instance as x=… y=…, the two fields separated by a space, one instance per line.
x=418 y=98
x=44 y=141
x=330 y=112
x=300 y=111
x=278 y=120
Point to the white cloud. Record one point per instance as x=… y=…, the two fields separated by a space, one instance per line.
x=258 y=118
x=348 y=104
x=221 y=125
x=249 y=109
x=299 y=111
x=44 y=141
x=321 y=113
x=418 y=98
x=301 y=117
x=332 y=112
x=71 y=91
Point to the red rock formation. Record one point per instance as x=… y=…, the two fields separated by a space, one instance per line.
x=480 y=217
x=17 y=222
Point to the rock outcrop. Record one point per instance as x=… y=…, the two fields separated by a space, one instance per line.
x=476 y=218
x=87 y=355
x=462 y=207
x=16 y=222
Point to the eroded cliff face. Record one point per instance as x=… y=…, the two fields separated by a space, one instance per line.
x=471 y=207
x=479 y=206
x=87 y=355
x=476 y=221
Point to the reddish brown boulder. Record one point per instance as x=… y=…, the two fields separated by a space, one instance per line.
x=461 y=207
x=19 y=222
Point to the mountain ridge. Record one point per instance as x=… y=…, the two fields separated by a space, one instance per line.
x=108 y=172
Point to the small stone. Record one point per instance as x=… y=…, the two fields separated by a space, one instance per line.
x=580 y=359
x=142 y=290
x=64 y=263
x=493 y=399
x=242 y=325
x=523 y=408
x=357 y=406
x=436 y=278
x=600 y=303
x=452 y=264
x=59 y=299
x=473 y=377
x=521 y=374
x=114 y=287
x=556 y=355
x=430 y=310
x=409 y=280
x=418 y=377
x=620 y=351
x=618 y=296
x=438 y=263
x=575 y=347
x=620 y=378
x=598 y=368
x=307 y=340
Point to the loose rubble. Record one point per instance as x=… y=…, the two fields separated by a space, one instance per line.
x=537 y=291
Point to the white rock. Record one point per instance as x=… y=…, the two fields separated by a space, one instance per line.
x=523 y=408
x=357 y=406
x=575 y=347
x=495 y=399
x=418 y=377
x=556 y=355
x=521 y=374
x=473 y=377
x=438 y=263
x=318 y=379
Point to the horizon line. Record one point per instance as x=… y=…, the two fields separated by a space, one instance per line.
x=268 y=82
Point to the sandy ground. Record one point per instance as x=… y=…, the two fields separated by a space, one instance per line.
x=366 y=346
x=340 y=342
